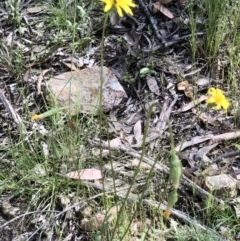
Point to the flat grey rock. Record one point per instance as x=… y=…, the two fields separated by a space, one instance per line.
x=80 y=90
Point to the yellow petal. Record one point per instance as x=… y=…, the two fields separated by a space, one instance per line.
x=218 y=92
x=211 y=100
x=109 y=4
x=218 y=98
x=119 y=10
x=107 y=7
x=127 y=2
x=127 y=9
x=212 y=91
x=225 y=104
x=217 y=107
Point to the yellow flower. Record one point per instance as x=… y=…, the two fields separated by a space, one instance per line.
x=48 y=113
x=35 y=117
x=119 y=5
x=218 y=98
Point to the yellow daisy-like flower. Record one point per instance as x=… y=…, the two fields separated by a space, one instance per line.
x=119 y=5
x=35 y=117
x=218 y=98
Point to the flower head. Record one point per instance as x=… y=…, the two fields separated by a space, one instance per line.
x=119 y=5
x=35 y=117
x=172 y=199
x=48 y=113
x=218 y=98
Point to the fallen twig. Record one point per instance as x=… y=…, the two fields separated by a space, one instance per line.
x=135 y=198
x=227 y=155
x=185 y=182
x=180 y=39
x=178 y=214
x=213 y=139
x=161 y=167
x=191 y=104
x=195 y=140
x=225 y=136
x=153 y=21
x=10 y=109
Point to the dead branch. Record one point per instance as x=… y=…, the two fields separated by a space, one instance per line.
x=186 y=183
x=225 y=136
x=150 y=203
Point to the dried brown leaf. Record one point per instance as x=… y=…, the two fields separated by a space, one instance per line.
x=122 y=134
x=85 y=174
x=34 y=9
x=27 y=75
x=182 y=85
x=186 y=87
x=72 y=125
x=129 y=139
x=192 y=104
x=158 y=7
x=152 y=85
x=137 y=130
x=71 y=66
x=202 y=153
x=114 y=143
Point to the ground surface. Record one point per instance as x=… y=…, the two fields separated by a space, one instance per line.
x=165 y=65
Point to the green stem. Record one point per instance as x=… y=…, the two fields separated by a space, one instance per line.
x=101 y=114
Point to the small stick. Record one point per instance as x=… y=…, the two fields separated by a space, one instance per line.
x=159 y=166
x=227 y=155
x=225 y=136
x=10 y=109
x=153 y=21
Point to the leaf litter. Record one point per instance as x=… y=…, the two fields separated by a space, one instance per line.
x=128 y=122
